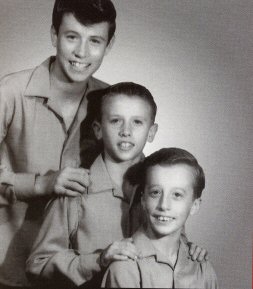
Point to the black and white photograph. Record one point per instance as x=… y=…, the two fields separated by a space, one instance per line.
x=126 y=144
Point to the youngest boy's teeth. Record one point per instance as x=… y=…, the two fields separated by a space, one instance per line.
x=164 y=219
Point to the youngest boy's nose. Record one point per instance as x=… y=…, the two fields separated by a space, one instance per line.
x=164 y=202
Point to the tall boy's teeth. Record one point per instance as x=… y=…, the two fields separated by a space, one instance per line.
x=78 y=64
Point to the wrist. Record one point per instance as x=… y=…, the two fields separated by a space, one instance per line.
x=40 y=186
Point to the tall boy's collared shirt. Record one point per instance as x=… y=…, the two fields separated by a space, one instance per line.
x=86 y=224
x=33 y=140
x=154 y=270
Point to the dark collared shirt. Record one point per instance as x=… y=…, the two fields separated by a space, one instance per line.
x=86 y=224
x=154 y=270
x=33 y=140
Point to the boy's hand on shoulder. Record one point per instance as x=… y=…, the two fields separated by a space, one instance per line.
x=69 y=182
x=197 y=253
x=119 y=251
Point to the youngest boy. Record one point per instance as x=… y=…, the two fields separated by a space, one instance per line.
x=172 y=182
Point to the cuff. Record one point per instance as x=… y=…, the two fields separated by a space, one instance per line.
x=24 y=185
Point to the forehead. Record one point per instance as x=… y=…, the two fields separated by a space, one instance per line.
x=122 y=104
x=170 y=176
x=70 y=22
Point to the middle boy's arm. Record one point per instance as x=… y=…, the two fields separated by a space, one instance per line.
x=52 y=259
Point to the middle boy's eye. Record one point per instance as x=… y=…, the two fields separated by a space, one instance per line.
x=138 y=122
x=115 y=120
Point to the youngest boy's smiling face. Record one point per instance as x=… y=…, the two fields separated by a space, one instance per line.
x=168 y=199
x=125 y=127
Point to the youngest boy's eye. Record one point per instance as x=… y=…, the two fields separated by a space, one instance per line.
x=178 y=195
x=155 y=193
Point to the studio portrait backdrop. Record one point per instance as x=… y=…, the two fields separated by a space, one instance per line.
x=196 y=59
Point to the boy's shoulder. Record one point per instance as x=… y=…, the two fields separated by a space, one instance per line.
x=96 y=84
x=16 y=81
x=122 y=274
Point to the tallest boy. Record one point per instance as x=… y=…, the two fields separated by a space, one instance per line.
x=40 y=115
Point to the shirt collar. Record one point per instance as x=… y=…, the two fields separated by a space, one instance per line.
x=144 y=244
x=39 y=84
x=101 y=180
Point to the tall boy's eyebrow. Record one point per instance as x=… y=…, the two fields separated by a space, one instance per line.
x=98 y=37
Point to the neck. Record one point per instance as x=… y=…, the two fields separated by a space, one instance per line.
x=64 y=88
x=168 y=245
x=117 y=170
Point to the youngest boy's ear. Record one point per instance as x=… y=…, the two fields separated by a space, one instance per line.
x=97 y=129
x=152 y=132
x=195 y=206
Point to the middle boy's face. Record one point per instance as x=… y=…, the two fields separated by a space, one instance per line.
x=125 y=127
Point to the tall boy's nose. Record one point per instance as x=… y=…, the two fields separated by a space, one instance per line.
x=82 y=49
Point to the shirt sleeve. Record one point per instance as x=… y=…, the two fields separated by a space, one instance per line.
x=122 y=274
x=210 y=276
x=51 y=258
x=13 y=186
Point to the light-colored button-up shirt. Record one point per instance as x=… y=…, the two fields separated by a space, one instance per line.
x=154 y=270
x=33 y=140
x=86 y=224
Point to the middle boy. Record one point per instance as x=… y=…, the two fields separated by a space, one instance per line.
x=77 y=239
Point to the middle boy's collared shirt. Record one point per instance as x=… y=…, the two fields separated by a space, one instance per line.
x=86 y=225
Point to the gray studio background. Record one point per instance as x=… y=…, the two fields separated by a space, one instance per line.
x=196 y=59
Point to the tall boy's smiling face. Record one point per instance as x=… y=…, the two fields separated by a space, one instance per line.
x=80 y=49
x=125 y=127
x=168 y=199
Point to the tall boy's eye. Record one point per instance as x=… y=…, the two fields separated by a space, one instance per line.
x=95 y=41
x=71 y=37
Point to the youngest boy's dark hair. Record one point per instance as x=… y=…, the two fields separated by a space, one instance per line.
x=87 y=12
x=130 y=89
x=170 y=157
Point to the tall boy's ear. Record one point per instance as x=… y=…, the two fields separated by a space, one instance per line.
x=53 y=36
x=152 y=132
x=97 y=129
x=110 y=45
x=195 y=206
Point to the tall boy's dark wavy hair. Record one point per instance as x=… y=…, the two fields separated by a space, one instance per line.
x=87 y=12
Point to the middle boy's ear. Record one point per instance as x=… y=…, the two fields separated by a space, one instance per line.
x=97 y=129
x=195 y=206
x=152 y=132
